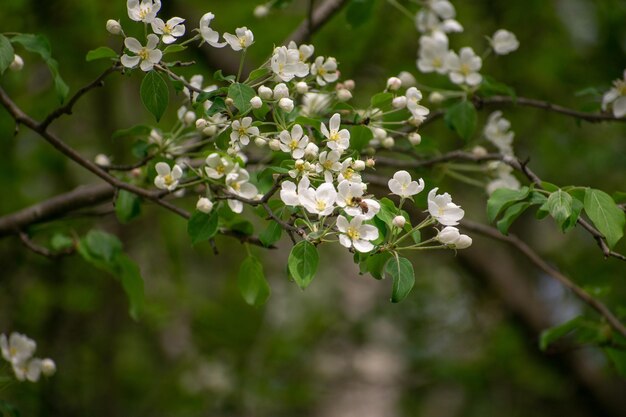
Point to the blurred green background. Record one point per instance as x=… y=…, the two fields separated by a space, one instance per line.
x=464 y=343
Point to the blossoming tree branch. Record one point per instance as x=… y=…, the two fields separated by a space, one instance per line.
x=284 y=143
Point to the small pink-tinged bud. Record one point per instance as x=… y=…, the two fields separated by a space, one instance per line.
x=394 y=83
x=399 y=221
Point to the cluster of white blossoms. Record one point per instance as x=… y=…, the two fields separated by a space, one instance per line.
x=498 y=132
x=435 y=20
x=18 y=350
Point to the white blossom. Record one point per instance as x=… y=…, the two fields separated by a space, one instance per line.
x=408 y=80
x=218 y=166
x=167 y=178
x=243 y=130
x=242 y=39
x=146 y=56
x=324 y=70
x=17 y=348
x=616 y=98
x=464 y=67
x=314 y=104
x=208 y=34
x=503 y=181
x=294 y=142
x=403 y=185
x=145 y=11
x=348 y=173
x=356 y=234
x=329 y=164
x=413 y=98
x=504 y=42
x=290 y=193
x=433 y=53
x=497 y=132
x=286 y=63
x=350 y=198
x=337 y=140
x=451 y=236
x=320 y=201
x=237 y=184
x=443 y=209
x=169 y=30
x=437 y=16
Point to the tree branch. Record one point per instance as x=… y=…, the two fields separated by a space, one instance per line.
x=320 y=16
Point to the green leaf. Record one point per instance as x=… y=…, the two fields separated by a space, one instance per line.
x=219 y=76
x=462 y=119
x=359 y=11
x=172 y=49
x=387 y=211
x=491 y=87
x=381 y=100
x=302 y=262
x=100 y=53
x=360 y=137
x=202 y=226
x=401 y=270
x=60 y=241
x=6 y=53
x=605 y=215
x=271 y=234
x=132 y=283
x=577 y=207
x=510 y=215
x=376 y=264
x=502 y=198
x=618 y=358
x=127 y=206
x=34 y=43
x=100 y=246
x=552 y=334
x=258 y=73
x=132 y=132
x=252 y=283
x=559 y=205
x=154 y=94
x=241 y=95
x=60 y=87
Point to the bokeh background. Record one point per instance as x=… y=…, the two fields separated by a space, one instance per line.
x=464 y=343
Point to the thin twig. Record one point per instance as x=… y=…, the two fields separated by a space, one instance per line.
x=40 y=250
x=322 y=14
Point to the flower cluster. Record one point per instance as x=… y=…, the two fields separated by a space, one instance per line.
x=18 y=350
x=497 y=131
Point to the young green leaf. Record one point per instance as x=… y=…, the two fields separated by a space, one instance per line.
x=127 y=206
x=360 y=137
x=503 y=198
x=462 y=119
x=375 y=264
x=271 y=234
x=559 y=205
x=100 y=53
x=552 y=334
x=241 y=95
x=510 y=215
x=605 y=215
x=132 y=283
x=154 y=94
x=252 y=283
x=202 y=226
x=302 y=262
x=401 y=270
x=6 y=53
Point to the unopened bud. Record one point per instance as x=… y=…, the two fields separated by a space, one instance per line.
x=370 y=162
x=464 y=242
x=114 y=27
x=17 y=64
x=344 y=94
x=229 y=101
x=311 y=150
x=479 y=151
x=286 y=104
x=281 y=91
x=261 y=11
x=189 y=118
x=394 y=83
x=210 y=130
x=274 y=144
x=256 y=102
x=399 y=221
x=201 y=123
x=379 y=133
x=265 y=92
x=260 y=142
x=408 y=80
x=388 y=142
x=436 y=97
x=48 y=367
x=415 y=138
x=204 y=205
x=302 y=87
x=399 y=102
x=102 y=160
x=349 y=84
x=358 y=165
x=417 y=120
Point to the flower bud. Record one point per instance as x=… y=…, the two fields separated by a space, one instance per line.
x=102 y=160
x=415 y=138
x=210 y=130
x=274 y=144
x=286 y=104
x=201 y=123
x=302 y=87
x=436 y=97
x=204 y=205
x=399 y=102
x=358 y=165
x=113 y=27
x=479 y=151
x=260 y=142
x=464 y=242
x=261 y=11
x=449 y=235
x=265 y=92
x=408 y=80
x=349 y=84
x=136 y=173
x=394 y=83
x=399 y=221
x=379 y=133
x=17 y=64
x=417 y=120
x=189 y=118
x=281 y=91
x=370 y=162
x=311 y=150
x=344 y=94
x=229 y=101
x=256 y=102
x=388 y=142
x=48 y=367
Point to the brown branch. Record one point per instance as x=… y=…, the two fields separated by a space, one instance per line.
x=40 y=250
x=545 y=105
x=532 y=256
x=320 y=16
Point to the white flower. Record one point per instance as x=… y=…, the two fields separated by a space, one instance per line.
x=149 y=56
x=293 y=143
x=350 y=198
x=320 y=201
x=433 y=53
x=287 y=63
x=329 y=163
x=168 y=177
x=237 y=184
x=402 y=185
x=356 y=234
x=48 y=367
x=314 y=104
x=242 y=39
x=616 y=97
x=204 y=205
x=290 y=194
x=497 y=132
x=348 y=173
x=311 y=151
x=286 y=104
x=209 y=35
x=464 y=67
x=399 y=221
x=28 y=370
x=338 y=140
x=113 y=27
x=18 y=348
x=443 y=209
x=413 y=97
x=504 y=42
x=169 y=30
x=437 y=16
x=325 y=71
x=451 y=236
x=304 y=51
x=145 y=11
x=242 y=131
